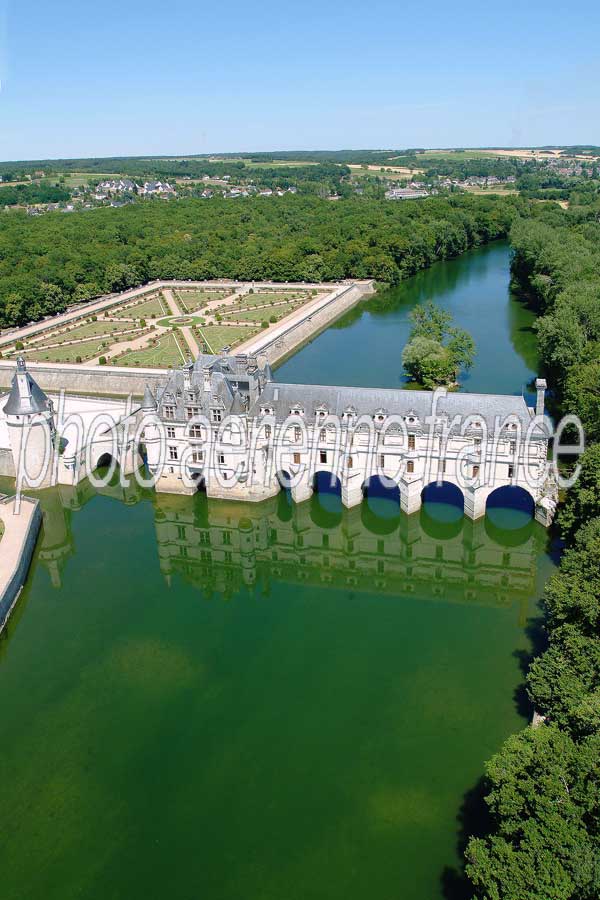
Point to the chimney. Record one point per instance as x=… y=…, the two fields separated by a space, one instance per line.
x=540 y=387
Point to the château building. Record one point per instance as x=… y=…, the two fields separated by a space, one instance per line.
x=225 y=425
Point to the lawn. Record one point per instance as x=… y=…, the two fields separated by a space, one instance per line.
x=163 y=355
x=247 y=301
x=191 y=301
x=262 y=314
x=144 y=310
x=67 y=353
x=218 y=336
x=90 y=329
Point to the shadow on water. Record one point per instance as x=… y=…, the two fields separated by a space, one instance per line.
x=473 y=821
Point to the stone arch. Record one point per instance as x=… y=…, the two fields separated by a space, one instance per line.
x=284 y=498
x=380 y=510
x=445 y=493
x=326 y=501
x=325 y=481
x=285 y=479
x=442 y=510
x=510 y=507
x=105 y=460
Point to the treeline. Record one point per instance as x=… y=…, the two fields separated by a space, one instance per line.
x=49 y=262
x=544 y=785
x=451 y=167
x=227 y=163
x=22 y=194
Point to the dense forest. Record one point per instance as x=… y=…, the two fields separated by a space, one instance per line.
x=49 y=262
x=544 y=784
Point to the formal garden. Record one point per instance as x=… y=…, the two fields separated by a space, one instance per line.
x=163 y=329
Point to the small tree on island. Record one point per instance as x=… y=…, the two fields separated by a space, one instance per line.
x=436 y=350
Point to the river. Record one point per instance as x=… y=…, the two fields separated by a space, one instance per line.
x=227 y=701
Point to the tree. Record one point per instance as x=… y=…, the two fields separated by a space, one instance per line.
x=582 y=501
x=427 y=362
x=544 y=798
x=436 y=350
x=582 y=396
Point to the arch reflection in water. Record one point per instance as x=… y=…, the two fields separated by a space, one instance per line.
x=226 y=547
x=380 y=509
x=442 y=512
x=326 y=502
x=510 y=513
x=356 y=552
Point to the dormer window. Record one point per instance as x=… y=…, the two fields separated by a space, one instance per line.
x=169 y=412
x=216 y=415
x=297 y=411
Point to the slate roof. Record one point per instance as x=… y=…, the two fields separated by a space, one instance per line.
x=26 y=397
x=239 y=385
x=369 y=401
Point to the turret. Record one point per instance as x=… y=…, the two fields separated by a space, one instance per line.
x=151 y=433
x=540 y=387
x=149 y=404
x=30 y=420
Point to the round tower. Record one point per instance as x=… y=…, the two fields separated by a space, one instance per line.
x=30 y=420
x=151 y=432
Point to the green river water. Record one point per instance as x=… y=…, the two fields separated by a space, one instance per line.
x=203 y=699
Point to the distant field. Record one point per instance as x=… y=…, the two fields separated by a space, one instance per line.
x=78 y=179
x=295 y=163
x=218 y=336
x=164 y=354
x=143 y=310
x=292 y=163
x=457 y=156
x=396 y=171
x=493 y=189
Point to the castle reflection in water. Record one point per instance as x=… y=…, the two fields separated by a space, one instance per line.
x=223 y=547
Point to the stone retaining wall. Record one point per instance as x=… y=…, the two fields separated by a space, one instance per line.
x=282 y=347
x=14 y=569
x=97 y=380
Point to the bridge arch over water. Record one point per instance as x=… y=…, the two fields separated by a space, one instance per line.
x=510 y=508
x=326 y=501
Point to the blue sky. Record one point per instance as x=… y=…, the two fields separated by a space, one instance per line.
x=86 y=79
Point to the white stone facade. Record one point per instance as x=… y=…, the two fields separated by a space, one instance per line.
x=225 y=424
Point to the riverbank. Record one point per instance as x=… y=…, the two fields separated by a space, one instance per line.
x=17 y=544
